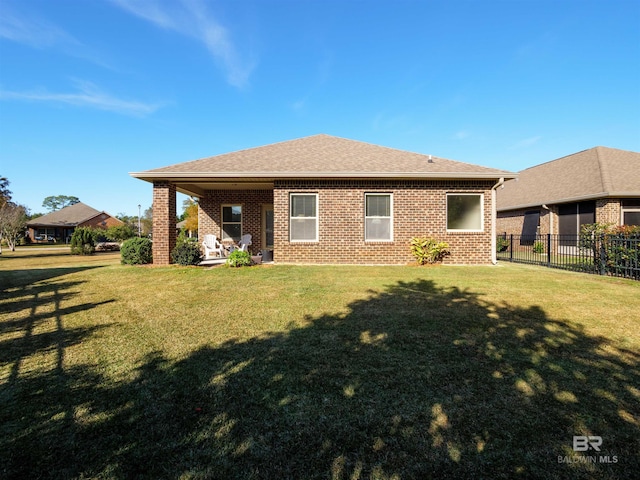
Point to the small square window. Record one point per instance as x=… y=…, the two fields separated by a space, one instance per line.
x=465 y=212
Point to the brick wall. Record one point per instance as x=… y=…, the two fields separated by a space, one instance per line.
x=210 y=213
x=419 y=209
x=511 y=222
x=164 y=222
x=608 y=210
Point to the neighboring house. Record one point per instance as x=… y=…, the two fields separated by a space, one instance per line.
x=59 y=225
x=183 y=224
x=558 y=197
x=323 y=199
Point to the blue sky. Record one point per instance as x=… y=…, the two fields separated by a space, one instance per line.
x=91 y=90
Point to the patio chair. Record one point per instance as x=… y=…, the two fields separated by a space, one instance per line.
x=244 y=243
x=212 y=247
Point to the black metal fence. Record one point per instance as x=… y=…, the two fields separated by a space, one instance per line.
x=616 y=255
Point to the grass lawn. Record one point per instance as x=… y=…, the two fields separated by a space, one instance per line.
x=300 y=372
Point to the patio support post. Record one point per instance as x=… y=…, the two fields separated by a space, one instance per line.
x=164 y=222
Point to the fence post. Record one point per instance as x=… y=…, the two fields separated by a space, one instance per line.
x=603 y=256
x=511 y=247
x=548 y=249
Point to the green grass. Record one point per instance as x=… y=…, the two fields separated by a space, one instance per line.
x=276 y=372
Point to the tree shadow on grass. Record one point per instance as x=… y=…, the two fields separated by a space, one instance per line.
x=415 y=382
x=37 y=391
x=10 y=280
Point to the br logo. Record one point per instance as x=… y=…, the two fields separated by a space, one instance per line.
x=582 y=443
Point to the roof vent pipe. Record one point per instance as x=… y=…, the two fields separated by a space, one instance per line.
x=430 y=159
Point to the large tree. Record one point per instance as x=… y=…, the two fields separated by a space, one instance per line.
x=191 y=216
x=147 y=222
x=5 y=193
x=13 y=220
x=56 y=202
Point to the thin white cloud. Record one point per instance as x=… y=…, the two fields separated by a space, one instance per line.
x=527 y=142
x=461 y=135
x=192 y=18
x=86 y=95
x=35 y=32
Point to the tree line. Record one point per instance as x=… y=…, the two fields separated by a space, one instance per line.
x=14 y=217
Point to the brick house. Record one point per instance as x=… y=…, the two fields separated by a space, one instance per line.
x=324 y=199
x=597 y=185
x=61 y=223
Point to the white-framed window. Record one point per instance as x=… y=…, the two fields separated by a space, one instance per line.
x=630 y=212
x=303 y=217
x=231 y=223
x=378 y=217
x=465 y=212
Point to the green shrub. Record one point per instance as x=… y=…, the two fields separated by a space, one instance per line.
x=120 y=233
x=136 y=251
x=428 y=250
x=538 y=247
x=614 y=247
x=187 y=252
x=238 y=258
x=502 y=244
x=82 y=241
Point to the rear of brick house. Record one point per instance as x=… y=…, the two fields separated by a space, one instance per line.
x=324 y=199
x=558 y=197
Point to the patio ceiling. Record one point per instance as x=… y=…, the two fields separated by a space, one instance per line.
x=198 y=187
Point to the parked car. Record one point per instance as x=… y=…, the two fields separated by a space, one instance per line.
x=44 y=238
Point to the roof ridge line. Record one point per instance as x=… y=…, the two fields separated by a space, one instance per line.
x=605 y=176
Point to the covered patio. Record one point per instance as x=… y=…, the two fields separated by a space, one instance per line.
x=228 y=208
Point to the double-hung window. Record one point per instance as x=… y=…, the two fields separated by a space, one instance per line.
x=378 y=217
x=303 y=217
x=232 y=222
x=630 y=211
x=465 y=212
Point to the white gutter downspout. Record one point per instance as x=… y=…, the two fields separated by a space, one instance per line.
x=494 y=217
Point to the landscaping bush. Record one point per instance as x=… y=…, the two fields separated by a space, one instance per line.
x=82 y=241
x=538 y=247
x=502 y=244
x=238 y=258
x=120 y=233
x=615 y=248
x=428 y=250
x=187 y=252
x=136 y=251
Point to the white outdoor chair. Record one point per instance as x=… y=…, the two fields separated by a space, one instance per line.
x=212 y=247
x=244 y=243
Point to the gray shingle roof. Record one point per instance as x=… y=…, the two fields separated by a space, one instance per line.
x=595 y=173
x=320 y=156
x=66 y=217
